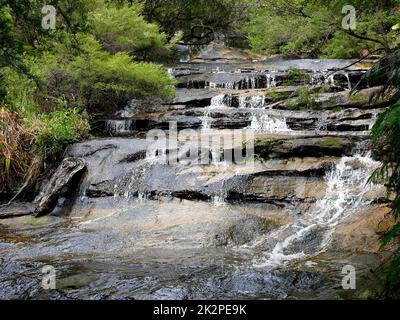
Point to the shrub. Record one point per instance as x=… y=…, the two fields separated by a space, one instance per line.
x=53 y=131
x=15 y=142
x=124 y=29
x=296 y=76
x=25 y=143
x=98 y=79
x=304 y=99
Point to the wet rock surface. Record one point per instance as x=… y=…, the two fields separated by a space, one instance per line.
x=282 y=226
x=61 y=182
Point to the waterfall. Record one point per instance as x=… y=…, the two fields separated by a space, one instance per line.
x=315 y=78
x=219 y=199
x=170 y=72
x=134 y=185
x=251 y=102
x=219 y=101
x=253 y=83
x=206 y=120
x=271 y=81
x=230 y=85
x=264 y=123
x=226 y=85
x=322 y=124
x=347 y=185
x=330 y=80
x=348 y=80
x=119 y=126
x=249 y=82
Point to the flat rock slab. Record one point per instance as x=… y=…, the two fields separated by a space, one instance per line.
x=16 y=209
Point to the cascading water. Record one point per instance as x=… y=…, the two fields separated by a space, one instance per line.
x=226 y=85
x=346 y=187
x=256 y=81
x=264 y=123
x=251 y=102
x=348 y=80
x=119 y=126
x=217 y=102
x=322 y=125
x=271 y=81
x=330 y=80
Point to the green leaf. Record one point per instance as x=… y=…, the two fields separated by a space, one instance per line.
x=388 y=237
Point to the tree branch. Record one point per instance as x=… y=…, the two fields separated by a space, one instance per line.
x=358 y=61
x=361 y=37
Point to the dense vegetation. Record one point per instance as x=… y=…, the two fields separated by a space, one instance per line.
x=386 y=133
x=314 y=27
x=50 y=78
x=104 y=52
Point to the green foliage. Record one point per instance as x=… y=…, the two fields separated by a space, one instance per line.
x=67 y=63
x=124 y=29
x=19 y=92
x=46 y=76
x=296 y=76
x=199 y=20
x=53 y=131
x=325 y=88
x=98 y=79
x=314 y=28
x=386 y=140
x=392 y=278
x=392 y=234
x=276 y=95
x=342 y=46
x=21 y=30
x=386 y=72
x=303 y=100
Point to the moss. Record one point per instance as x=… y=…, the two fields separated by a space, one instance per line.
x=296 y=76
x=331 y=142
x=325 y=88
x=358 y=97
x=33 y=221
x=264 y=147
x=276 y=95
x=292 y=105
x=304 y=100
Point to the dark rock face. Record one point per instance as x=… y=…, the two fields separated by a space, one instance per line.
x=69 y=169
x=306 y=147
x=16 y=209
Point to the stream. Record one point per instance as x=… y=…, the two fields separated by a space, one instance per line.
x=279 y=226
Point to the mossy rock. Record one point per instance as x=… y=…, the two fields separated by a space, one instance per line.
x=296 y=76
x=331 y=142
x=304 y=147
x=277 y=95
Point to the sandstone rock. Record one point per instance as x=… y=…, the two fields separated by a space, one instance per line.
x=69 y=169
x=361 y=232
